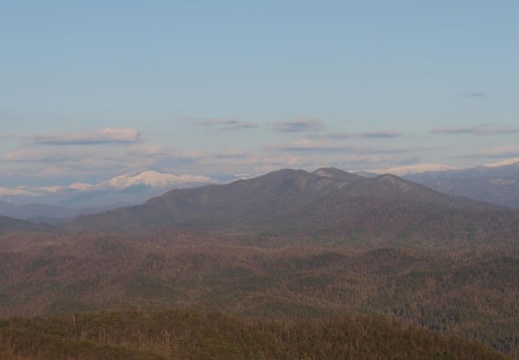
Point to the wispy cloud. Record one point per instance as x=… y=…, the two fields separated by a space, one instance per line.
x=475 y=94
x=104 y=136
x=82 y=162
x=26 y=156
x=299 y=125
x=366 y=134
x=379 y=134
x=309 y=145
x=226 y=124
x=480 y=129
x=254 y=162
x=231 y=154
x=512 y=150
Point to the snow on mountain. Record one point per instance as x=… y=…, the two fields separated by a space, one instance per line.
x=152 y=179
x=145 y=183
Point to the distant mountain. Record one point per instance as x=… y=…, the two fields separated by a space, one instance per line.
x=80 y=198
x=327 y=203
x=36 y=212
x=415 y=169
x=10 y=225
x=496 y=183
x=51 y=214
x=151 y=179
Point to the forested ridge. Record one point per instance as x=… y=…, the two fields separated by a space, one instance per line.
x=186 y=334
x=470 y=292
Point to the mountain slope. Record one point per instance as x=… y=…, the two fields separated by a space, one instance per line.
x=235 y=205
x=327 y=202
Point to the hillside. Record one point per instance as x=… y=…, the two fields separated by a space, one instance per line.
x=9 y=225
x=471 y=292
x=184 y=334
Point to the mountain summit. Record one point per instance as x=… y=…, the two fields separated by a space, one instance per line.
x=152 y=179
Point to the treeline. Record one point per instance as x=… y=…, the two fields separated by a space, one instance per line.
x=186 y=334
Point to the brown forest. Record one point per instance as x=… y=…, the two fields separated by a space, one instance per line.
x=471 y=292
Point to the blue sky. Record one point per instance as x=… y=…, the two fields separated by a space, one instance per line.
x=94 y=89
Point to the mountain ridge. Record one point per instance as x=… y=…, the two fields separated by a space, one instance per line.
x=495 y=183
x=53 y=204
x=297 y=202
x=12 y=225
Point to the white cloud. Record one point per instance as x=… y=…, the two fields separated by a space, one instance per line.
x=506 y=162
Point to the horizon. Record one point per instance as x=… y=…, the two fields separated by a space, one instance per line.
x=91 y=91
x=169 y=180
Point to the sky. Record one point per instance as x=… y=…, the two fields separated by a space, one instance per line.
x=93 y=89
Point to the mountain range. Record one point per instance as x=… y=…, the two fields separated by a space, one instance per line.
x=494 y=183
x=290 y=243
x=61 y=202
x=327 y=204
x=497 y=184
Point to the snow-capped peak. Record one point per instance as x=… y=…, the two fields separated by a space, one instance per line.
x=153 y=179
